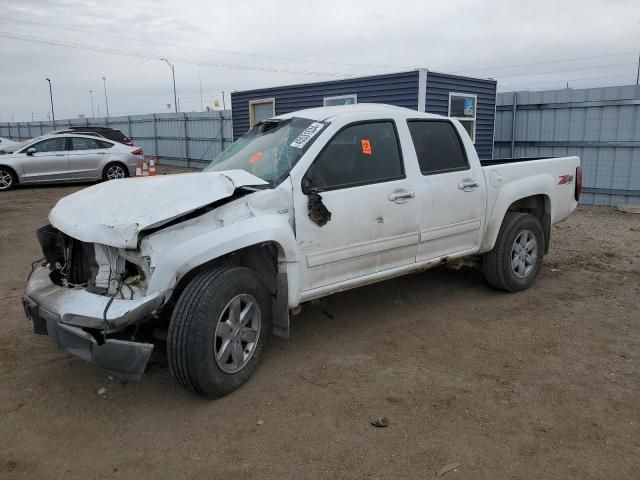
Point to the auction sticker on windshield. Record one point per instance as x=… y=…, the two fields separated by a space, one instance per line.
x=307 y=135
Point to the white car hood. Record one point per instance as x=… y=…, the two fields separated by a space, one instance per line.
x=114 y=213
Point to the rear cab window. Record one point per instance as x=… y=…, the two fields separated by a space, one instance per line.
x=438 y=146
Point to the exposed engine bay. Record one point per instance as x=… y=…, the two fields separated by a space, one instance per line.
x=99 y=269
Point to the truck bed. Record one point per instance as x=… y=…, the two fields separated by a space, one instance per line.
x=502 y=161
x=508 y=178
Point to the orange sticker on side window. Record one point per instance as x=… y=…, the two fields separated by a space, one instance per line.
x=255 y=157
x=366 y=146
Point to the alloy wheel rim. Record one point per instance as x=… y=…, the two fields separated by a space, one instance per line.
x=237 y=333
x=114 y=172
x=524 y=254
x=6 y=180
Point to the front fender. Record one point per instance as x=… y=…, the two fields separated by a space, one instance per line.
x=14 y=164
x=180 y=259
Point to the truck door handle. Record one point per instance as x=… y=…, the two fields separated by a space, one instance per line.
x=59 y=154
x=468 y=185
x=401 y=196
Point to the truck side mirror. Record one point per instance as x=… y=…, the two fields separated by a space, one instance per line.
x=31 y=151
x=307 y=187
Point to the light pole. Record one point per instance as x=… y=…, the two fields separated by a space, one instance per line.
x=173 y=74
x=53 y=115
x=106 y=99
x=201 y=104
x=93 y=115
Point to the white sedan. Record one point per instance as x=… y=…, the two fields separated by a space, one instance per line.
x=66 y=158
x=6 y=142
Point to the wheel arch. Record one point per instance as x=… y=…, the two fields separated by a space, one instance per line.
x=114 y=162
x=528 y=195
x=13 y=170
x=257 y=243
x=261 y=257
x=540 y=207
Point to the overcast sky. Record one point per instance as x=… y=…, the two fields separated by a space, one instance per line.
x=243 y=44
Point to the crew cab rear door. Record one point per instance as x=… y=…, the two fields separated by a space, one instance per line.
x=359 y=177
x=451 y=192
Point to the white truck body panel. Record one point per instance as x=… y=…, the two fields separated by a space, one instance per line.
x=113 y=213
x=508 y=183
x=369 y=237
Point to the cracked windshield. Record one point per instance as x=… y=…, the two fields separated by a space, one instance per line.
x=270 y=149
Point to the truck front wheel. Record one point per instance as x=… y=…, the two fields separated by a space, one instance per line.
x=218 y=330
x=516 y=258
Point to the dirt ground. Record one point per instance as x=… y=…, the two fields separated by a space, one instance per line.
x=544 y=384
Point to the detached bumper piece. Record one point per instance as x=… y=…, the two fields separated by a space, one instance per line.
x=67 y=315
x=123 y=358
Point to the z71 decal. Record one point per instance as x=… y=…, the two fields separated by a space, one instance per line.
x=565 y=179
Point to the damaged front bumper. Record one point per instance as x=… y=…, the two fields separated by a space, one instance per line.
x=71 y=315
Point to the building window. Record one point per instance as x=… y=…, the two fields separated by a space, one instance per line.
x=350 y=99
x=462 y=107
x=260 y=110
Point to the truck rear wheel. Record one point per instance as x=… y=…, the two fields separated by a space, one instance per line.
x=218 y=330
x=516 y=258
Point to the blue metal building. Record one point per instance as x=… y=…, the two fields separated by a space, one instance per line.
x=470 y=100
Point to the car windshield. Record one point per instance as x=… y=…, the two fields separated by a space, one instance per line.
x=14 y=147
x=270 y=149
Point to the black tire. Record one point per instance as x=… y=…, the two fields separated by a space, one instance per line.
x=114 y=165
x=497 y=264
x=8 y=179
x=192 y=340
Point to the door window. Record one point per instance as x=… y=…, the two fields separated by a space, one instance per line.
x=438 y=146
x=50 y=145
x=359 y=154
x=78 y=143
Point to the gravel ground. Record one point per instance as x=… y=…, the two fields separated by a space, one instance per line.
x=541 y=384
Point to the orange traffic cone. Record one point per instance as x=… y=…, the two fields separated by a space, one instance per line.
x=152 y=167
x=138 y=170
x=145 y=169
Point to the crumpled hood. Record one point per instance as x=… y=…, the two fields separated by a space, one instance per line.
x=114 y=213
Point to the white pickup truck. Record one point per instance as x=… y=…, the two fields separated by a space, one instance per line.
x=304 y=205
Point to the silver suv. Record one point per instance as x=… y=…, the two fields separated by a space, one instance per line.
x=66 y=158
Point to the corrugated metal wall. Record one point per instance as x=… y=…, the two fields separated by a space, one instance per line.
x=399 y=89
x=600 y=125
x=184 y=139
x=437 y=101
